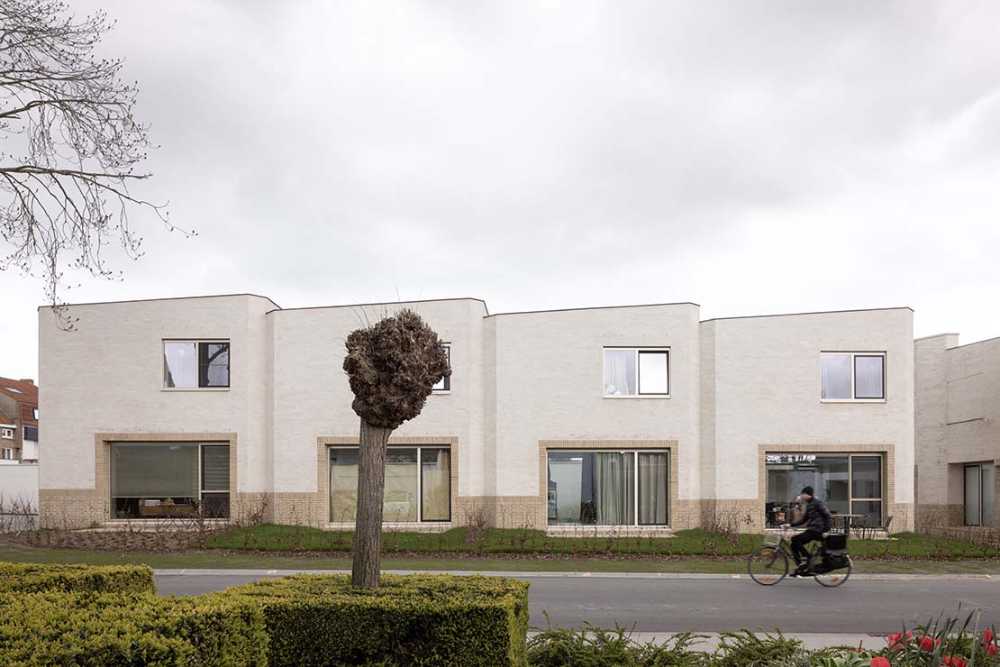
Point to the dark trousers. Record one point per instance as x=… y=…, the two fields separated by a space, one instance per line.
x=800 y=541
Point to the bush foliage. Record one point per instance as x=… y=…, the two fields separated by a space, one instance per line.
x=408 y=620
x=29 y=577
x=301 y=620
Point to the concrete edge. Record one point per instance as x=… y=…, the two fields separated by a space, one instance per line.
x=217 y=572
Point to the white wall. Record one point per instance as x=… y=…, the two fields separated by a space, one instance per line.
x=106 y=376
x=311 y=396
x=549 y=386
x=766 y=391
x=19 y=483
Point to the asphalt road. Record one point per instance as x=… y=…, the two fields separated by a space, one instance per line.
x=677 y=604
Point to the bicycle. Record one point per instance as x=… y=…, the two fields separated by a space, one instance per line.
x=829 y=564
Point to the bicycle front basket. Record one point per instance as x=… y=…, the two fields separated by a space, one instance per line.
x=772 y=539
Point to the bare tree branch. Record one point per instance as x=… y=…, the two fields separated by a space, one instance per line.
x=69 y=146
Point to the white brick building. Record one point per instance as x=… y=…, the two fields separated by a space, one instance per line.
x=637 y=416
x=958 y=432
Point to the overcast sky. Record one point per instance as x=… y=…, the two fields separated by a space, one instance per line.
x=751 y=157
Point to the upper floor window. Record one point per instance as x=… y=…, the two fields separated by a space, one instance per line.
x=636 y=371
x=195 y=364
x=853 y=376
x=34 y=412
x=7 y=433
x=444 y=384
x=31 y=433
x=7 y=454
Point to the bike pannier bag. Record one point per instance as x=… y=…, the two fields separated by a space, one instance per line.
x=835 y=542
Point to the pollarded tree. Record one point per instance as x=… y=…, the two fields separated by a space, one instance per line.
x=392 y=366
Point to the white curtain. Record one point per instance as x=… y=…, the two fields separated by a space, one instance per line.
x=613 y=488
x=619 y=372
x=653 y=488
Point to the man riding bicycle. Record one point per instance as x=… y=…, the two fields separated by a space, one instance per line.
x=817 y=520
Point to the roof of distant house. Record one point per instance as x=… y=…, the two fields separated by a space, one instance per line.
x=22 y=391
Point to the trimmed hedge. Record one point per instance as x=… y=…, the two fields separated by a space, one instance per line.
x=408 y=620
x=92 y=629
x=110 y=616
x=30 y=577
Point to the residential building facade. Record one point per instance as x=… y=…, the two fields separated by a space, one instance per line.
x=957 y=432
x=18 y=421
x=632 y=418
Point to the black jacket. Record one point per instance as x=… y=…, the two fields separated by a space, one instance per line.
x=816 y=517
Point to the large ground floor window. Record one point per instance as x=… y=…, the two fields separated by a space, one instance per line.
x=980 y=488
x=849 y=484
x=608 y=488
x=417 y=484
x=154 y=480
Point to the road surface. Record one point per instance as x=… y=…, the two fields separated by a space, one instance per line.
x=677 y=603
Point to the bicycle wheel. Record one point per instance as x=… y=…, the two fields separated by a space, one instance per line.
x=767 y=565
x=834 y=578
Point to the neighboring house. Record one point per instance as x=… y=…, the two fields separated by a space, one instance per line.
x=18 y=421
x=644 y=418
x=958 y=432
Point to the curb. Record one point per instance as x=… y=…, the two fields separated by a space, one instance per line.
x=675 y=576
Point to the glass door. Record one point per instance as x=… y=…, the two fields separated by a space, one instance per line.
x=973 y=495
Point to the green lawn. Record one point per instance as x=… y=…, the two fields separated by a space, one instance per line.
x=237 y=560
x=495 y=541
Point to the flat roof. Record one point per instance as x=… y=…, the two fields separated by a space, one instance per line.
x=812 y=312
x=381 y=303
x=975 y=342
x=166 y=298
x=565 y=310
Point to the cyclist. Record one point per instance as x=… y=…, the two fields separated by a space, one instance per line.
x=817 y=520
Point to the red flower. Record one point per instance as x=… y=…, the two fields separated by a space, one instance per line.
x=953 y=661
x=988 y=636
x=898 y=640
x=927 y=644
x=991 y=649
x=879 y=661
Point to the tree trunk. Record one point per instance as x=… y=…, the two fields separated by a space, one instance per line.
x=371 y=490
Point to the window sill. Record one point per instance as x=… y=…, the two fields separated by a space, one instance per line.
x=441 y=392
x=396 y=526
x=852 y=400
x=653 y=396
x=206 y=389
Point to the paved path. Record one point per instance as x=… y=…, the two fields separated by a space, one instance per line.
x=658 y=603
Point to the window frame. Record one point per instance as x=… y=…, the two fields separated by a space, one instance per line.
x=420 y=481
x=637 y=350
x=980 y=466
x=635 y=485
x=446 y=386
x=850 y=456
x=7 y=453
x=201 y=491
x=854 y=373
x=197 y=342
x=24 y=432
x=7 y=432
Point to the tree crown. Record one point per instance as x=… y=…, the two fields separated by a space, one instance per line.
x=392 y=367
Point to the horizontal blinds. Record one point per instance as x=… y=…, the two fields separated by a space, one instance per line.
x=215 y=467
x=161 y=470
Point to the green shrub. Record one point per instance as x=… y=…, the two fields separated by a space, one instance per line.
x=59 y=628
x=595 y=647
x=30 y=577
x=408 y=620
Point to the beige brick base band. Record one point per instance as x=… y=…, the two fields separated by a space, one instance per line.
x=931 y=516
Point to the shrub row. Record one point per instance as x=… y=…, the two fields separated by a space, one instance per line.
x=302 y=620
x=97 y=629
x=409 y=620
x=30 y=577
